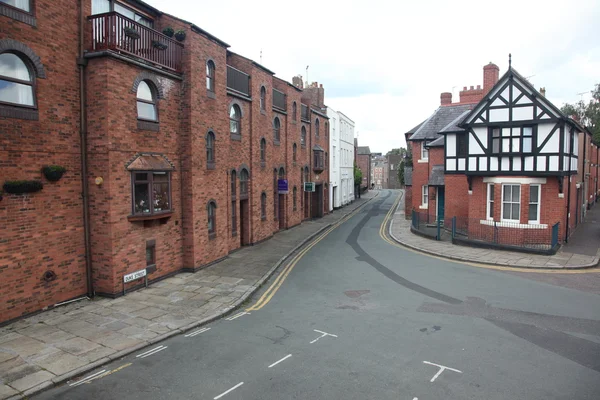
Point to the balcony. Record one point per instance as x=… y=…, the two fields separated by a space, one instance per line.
x=279 y=100
x=114 y=32
x=238 y=81
x=304 y=113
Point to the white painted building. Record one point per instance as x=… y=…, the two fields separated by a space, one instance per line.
x=341 y=150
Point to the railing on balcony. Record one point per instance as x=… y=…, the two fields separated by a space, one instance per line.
x=238 y=81
x=304 y=113
x=279 y=100
x=112 y=31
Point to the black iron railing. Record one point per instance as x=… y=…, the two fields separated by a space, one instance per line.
x=112 y=31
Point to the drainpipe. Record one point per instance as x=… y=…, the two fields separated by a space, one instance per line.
x=81 y=64
x=569 y=188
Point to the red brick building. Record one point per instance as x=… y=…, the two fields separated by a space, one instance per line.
x=176 y=150
x=505 y=163
x=363 y=160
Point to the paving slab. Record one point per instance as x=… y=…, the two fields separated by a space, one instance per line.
x=31 y=380
x=399 y=230
x=6 y=391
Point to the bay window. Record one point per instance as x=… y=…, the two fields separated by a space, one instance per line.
x=151 y=192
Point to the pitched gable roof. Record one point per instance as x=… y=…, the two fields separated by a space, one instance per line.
x=363 y=150
x=439 y=120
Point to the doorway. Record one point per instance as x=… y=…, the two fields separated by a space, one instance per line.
x=244 y=223
x=317 y=202
x=281 y=211
x=334 y=200
x=441 y=198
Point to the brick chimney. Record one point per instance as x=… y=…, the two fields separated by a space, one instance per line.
x=297 y=81
x=446 y=99
x=491 y=73
x=315 y=95
x=543 y=91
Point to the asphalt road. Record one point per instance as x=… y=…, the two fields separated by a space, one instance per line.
x=396 y=317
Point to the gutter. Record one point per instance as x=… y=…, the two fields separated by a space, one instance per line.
x=81 y=64
x=569 y=188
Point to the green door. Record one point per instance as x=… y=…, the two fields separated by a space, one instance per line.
x=440 y=203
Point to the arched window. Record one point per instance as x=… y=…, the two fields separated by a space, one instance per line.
x=211 y=210
x=210 y=76
x=303 y=136
x=326 y=128
x=263 y=150
x=263 y=98
x=16 y=81
x=317 y=127
x=233 y=183
x=235 y=117
x=263 y=206
x=295 y=195
x=293 y=111
x=275 y=195
x=305 y=174
x=276 y=128
x=210 y=149
x=294 y=151
x=326 y=160
x=146 y=102
x=244 y=183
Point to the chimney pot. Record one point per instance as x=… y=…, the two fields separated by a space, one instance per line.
x=446 y=99
x=472 y=87
x=465 y=88
x=478 y=87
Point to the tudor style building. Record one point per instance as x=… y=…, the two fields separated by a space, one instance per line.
x=508 y=167
x=174 y=150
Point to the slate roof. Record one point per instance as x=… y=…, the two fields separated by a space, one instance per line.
x=441 y=118
x=316 y=147
x=413 y=130
x=436 y=178
x=408 y=176
x=439 y=142
x=363 y=150
x=454 y=125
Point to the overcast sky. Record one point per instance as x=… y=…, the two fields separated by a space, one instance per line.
x=385 y=63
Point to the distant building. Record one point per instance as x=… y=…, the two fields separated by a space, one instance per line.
x=341 y=150
x=393 y=164
x=363 y=160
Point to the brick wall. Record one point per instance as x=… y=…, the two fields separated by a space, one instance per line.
x=42 y=231
x=364 y=163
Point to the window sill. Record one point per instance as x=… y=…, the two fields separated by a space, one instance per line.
x=263 y=112
x=233 y=234
x=147 y=125
x=303 y=146
x=422 y=207
x=235 y=136
x=133 y=218
x=210 y=165
x=512 y=224
x=210 y=94
x=294 y=122
x=17 y=112
x=423 y=161
x=212 y=235
x=276 y=143
x=263 y=218
x=17 y=14
x=263 y=164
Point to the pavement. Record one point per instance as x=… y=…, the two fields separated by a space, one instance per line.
x=583 y=250
x=356 y=316
x=41 y=351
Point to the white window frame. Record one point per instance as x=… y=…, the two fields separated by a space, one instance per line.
x=424 y=195
x=490 y=203
x=424 y=151
x=510 y=202
x=538 y=203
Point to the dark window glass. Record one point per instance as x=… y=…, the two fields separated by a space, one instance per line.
x=212 y=211
x=263 y=150
x=462 y=145
x=150 y=253
x=263 y=205
x=263 y=96
x=244 y=182
x=294 y=151
x=317 y=127
x=16 y=81
x=210 y=147
x=293 y=111
x=295 y=194
x=303 y=136
x=233 y=218
x=233 y=183
x=276 y=128
x=151 y=192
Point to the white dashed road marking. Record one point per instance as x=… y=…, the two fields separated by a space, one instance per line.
x=237 y=316
x=277 y=362
x=197 y=332
x=88 y=379
x=151 y=352
x=323 y=334
x=230 y=390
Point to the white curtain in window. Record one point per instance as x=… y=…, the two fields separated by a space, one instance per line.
x=98 y=6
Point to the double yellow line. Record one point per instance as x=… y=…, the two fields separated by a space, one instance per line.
x=385 y=236
x=268 y=295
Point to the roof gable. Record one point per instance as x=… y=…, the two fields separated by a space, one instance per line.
x=512 y=99
x=440 y=119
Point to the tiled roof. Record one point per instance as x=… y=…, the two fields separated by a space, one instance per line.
x=413 y=130
x=439 y=142
x=363 y=150
x=443 y=116
x=408 y=176
x=436 y=178
x=453 y=126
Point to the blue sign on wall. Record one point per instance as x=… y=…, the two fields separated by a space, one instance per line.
x=282 y=186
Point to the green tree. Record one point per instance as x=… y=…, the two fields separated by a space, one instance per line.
x=406 y=162
x=358 y=175
x=588 y=113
